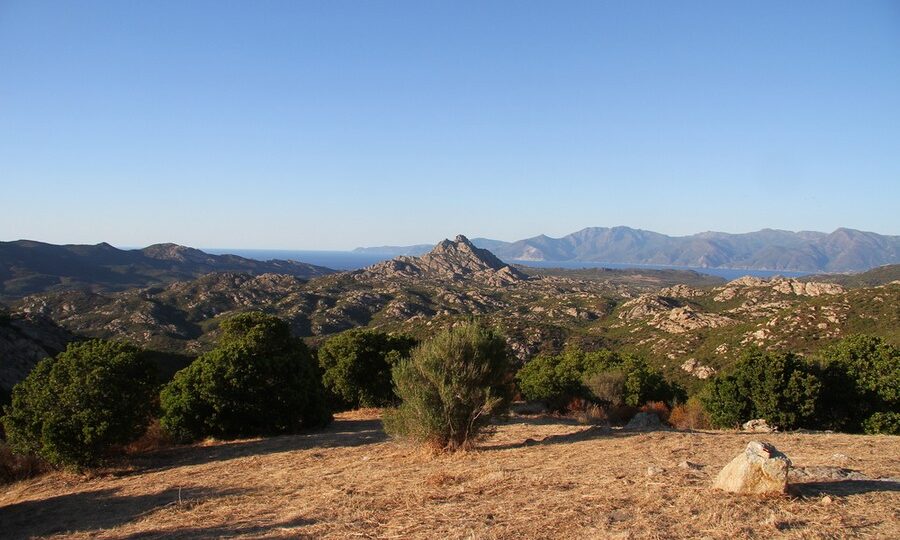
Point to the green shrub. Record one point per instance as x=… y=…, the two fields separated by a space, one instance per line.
x=450 y=387
x=861 y=377
x=72 y=410
x=601 y=376
x=607 y=387
x=257 y=381
x=885 y=423
x=782 y=388
x=356 y=366
x=545 y=378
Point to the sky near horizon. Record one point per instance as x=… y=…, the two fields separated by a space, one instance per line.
x=336 y=124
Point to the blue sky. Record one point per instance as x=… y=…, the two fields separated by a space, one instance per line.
x=328 y=125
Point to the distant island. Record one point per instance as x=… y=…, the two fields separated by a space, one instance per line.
x=844 y=250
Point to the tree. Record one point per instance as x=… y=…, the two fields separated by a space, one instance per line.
x=450 y=387
x=781 y=387
x=357 y=366
x=861 y=375
x=73 y=409
x=259 y=380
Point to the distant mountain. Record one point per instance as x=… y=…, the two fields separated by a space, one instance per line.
x=844 y=250
x=28 y=267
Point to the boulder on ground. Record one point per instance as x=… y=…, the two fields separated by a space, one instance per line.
x=644 y=421
x=759 y=426
x=760 y=469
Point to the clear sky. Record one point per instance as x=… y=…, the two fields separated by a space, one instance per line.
x=332 y=124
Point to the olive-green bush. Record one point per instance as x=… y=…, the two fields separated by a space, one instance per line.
x=356 y=367
x=601 y=376
x=780 y=387
x=73 y=409
x=259 y=380
x=451 y=386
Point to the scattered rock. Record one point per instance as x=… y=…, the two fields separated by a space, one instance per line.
x=654 y=470
x=759 y=469
x=644 y=421
x=818 y=474
x=697 y=369
x=759 y=426
x=685 y=464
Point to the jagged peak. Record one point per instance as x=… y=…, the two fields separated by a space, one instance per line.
x=451 y=259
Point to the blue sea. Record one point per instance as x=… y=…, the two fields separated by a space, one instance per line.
x=349 y=260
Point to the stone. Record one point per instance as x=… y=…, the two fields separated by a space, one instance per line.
x=653 y=470
x=689 y=465
x=644 y=421
x=759 y=470
x=759 y=426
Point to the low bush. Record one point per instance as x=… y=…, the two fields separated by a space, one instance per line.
x=780 y=387
x=259 y=380
x=74 y=409
x=660 y=409
x=15 y=467
x=883 y=423
x=603 y=376
x=356 y=367
x=689 y=415
x=450 y=387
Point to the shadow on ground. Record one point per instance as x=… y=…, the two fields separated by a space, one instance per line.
x=843 y=488
x=341 y=433
x=226 y=531
x=93 y=510
x=585 y=434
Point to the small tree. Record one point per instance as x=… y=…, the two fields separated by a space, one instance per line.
x=357 y=364
x=861 y=377
x=450 y=387
x=73 y=409
x=257 y=381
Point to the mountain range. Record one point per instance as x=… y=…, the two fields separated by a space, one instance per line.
x=28 y=267
x=844 y=250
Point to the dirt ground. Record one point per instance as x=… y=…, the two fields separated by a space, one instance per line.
x=536 y=477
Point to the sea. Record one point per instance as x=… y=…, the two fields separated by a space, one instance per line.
x=351 y=260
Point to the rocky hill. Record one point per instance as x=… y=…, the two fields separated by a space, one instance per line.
x=28 y=267
x=843 y=250
x=455 y=260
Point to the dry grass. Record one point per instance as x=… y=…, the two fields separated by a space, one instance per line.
x=534 y=478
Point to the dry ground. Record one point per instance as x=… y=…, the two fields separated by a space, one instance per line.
x=535 y=478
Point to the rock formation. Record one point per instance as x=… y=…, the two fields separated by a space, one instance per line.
x=759 y=470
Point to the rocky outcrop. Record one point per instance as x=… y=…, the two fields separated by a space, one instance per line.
x=695 y=368
x=758 y=425
x=759 y=470
x=644 y=421
x=456 y=260
x=757 y=288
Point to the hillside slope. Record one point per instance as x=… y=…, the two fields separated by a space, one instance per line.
x=28 y=267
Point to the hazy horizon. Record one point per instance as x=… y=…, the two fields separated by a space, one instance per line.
x=293 y=125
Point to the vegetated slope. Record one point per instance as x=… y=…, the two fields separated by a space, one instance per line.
x=840 y=251
x=686 y=328
x=534 y=478
x=881 y=275
x=24 y=341
x=28 y=267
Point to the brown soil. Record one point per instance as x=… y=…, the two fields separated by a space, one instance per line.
x=534 y=478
